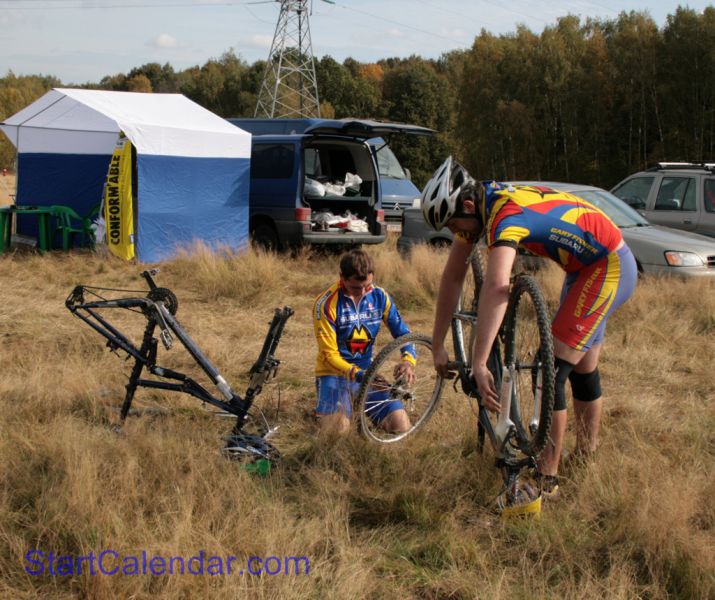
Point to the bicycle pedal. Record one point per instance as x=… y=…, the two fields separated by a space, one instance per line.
x=166 y=339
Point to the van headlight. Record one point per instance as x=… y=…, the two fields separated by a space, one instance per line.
x=416 y=203
x=683 y=259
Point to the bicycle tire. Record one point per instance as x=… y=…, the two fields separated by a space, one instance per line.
x=463 y=329
x=529 y=348
x=419 y=399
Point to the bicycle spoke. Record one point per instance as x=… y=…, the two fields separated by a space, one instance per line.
x=383 y=398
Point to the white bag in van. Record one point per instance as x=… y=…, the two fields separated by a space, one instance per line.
x=334 y=189
x=311 y=187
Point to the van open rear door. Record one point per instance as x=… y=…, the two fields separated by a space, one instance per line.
x=363 y=128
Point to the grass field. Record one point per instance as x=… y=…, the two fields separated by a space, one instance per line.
x=414 y=521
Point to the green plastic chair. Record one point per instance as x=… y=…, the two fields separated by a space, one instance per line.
x=69 y=225
x=93 y=212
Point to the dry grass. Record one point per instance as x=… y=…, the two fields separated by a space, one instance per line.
x=406 y=522
x=7 y=188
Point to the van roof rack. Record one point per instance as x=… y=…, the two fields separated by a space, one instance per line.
x=683 y=165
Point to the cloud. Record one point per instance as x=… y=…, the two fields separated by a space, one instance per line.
x=455 y=34
x=395 y=33
x=261 y=41
x=164 y=40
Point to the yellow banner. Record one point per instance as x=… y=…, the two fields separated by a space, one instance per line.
x=118 y=205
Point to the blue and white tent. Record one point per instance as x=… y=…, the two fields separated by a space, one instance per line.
x=192 y=167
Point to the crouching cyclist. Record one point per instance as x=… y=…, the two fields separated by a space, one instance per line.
x=600 y=271
x=346 y=320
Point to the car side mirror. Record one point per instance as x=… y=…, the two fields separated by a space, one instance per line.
x=408 y=175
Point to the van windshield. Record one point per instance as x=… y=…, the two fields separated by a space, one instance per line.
x=388 y=165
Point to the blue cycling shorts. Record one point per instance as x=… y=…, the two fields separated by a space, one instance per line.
x=335 y=395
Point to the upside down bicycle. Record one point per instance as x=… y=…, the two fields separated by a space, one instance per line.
x=521 y=362
x=249 y=437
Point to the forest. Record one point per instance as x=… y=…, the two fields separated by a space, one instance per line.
x=585 y=100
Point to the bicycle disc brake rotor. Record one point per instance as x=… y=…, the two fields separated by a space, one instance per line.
x=247 y=447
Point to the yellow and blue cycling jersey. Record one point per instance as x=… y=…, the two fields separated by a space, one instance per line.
x=346 y=333
x=557 y=225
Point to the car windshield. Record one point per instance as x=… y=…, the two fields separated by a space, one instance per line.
x=617 y=210
x=387 y=163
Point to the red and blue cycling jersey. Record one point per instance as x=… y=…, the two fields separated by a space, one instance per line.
x=346 y=333
x=561 y=226
x=601 y=270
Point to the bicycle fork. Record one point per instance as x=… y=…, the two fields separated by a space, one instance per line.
x=505 y=427
x=538 y=383
x=507 y=395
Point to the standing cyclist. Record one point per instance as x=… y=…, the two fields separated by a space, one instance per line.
x=601 y=275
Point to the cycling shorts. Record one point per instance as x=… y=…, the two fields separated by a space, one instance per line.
x=335 y=395
x=589 y=297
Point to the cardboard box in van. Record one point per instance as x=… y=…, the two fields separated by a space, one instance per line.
x=316 y=181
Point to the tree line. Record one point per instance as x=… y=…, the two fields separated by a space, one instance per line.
x=585 y=101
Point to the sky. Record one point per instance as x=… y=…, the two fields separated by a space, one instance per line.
x=81 y=41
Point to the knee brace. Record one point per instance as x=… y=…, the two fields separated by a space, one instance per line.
x=586 y=387
x=563 y=369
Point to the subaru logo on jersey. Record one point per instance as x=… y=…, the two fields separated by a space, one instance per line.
x=359 y=340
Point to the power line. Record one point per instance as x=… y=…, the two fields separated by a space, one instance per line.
x=126 y=5
x=405 y=25
x=371 y=28
x=499 y=5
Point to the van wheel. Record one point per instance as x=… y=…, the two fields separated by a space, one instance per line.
x=441 y=243
x=265 y=237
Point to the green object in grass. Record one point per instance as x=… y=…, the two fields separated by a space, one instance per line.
x=261 y=467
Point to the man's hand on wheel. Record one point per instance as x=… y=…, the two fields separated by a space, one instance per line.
x=380 y=384
x=405 y=372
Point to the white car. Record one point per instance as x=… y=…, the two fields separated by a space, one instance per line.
x=680 y=195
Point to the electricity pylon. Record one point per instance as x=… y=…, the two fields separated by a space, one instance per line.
x=289 y=87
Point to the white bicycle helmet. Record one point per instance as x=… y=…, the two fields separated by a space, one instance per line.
x=441 y=194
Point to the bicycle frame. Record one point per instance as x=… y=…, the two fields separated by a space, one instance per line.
x=502 y=433
x=145 y=357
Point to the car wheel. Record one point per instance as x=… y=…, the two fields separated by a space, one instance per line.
x=265 y=237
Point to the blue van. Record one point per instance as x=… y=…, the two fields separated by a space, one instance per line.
x=398 y=191
x=317 y=181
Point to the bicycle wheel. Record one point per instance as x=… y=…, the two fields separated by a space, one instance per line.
x=529 y=350
x=379 y=387
x=465 y=317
